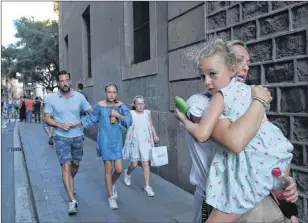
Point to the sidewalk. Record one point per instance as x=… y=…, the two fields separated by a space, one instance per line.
x=170 y=204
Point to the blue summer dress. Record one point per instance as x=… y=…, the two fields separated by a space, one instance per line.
x=238 y=182
x=109 y=136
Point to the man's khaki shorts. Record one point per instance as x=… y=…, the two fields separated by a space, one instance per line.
x=265 y=212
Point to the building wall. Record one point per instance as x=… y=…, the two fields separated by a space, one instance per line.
x=11 y=87
x=276 y=35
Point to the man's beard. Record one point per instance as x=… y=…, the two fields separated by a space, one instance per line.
x=65 y=89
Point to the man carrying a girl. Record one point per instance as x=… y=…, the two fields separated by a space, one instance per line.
x=226 y=132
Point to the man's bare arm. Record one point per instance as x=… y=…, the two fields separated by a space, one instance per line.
x=49 y=120
x=52 y=122
x=235 y=136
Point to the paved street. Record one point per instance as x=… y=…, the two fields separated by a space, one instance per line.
x=171 y=204
x=7 y=173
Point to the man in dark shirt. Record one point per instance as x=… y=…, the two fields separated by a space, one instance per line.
x=80 y=90
x=37 y=110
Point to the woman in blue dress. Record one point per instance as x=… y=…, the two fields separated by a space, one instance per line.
x=111 y=115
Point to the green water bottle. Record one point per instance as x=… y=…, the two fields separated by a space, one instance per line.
x=181 y=104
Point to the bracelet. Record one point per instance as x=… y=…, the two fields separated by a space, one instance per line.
x=258 y=98
x=263 y=102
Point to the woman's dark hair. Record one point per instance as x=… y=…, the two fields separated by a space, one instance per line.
x=36 y=98
x=133 y=107
x=80 y=86
x=114 y=85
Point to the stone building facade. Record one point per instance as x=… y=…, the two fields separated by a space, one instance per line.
x=145 y=53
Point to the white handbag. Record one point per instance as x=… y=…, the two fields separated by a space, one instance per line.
x=159 y=156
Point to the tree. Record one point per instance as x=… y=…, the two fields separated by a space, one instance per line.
x=36 y=53
x=8 y=55
x=56 y=7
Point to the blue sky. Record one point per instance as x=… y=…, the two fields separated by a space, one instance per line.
x=15 y=10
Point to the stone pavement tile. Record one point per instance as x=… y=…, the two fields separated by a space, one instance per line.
x=45 y=207
x=170 y=203
x=48 y=218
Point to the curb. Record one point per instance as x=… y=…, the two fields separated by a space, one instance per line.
x=25 y=208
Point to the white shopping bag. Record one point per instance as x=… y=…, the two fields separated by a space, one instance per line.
x=159 y=156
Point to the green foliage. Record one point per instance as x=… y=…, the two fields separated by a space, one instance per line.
x=56 y=7
x=8 y=55
x=36 y=53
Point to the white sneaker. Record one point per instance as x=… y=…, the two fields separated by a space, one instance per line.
x=72 y=207
x=112 y=203
x=127 y=178
x=149 y=191
x=114 y=192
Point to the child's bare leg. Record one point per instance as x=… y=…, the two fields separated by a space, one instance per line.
x=294 y=219
x=219 y=216
x=146 y=172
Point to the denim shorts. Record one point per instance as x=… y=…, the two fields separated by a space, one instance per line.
x=45 y=125
x=69 y=149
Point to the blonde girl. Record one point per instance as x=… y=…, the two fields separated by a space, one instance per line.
x=139 y=140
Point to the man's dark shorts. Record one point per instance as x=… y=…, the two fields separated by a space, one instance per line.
x=69 y=149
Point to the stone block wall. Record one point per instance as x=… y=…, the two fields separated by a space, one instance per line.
x=276 y=34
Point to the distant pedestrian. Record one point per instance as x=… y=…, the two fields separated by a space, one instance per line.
x=110 y=113
x=22 y=108
x=62 y=110
x=29 y=109
x=37 y=110
x=80 y=90
x=8 y=104
x=15 y=108
x=139 y=141
x=48 y=128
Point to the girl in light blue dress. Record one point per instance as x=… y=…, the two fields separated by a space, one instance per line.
x=238 y=180
x=112 y=116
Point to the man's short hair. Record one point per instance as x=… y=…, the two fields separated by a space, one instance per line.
x=232 y=43
x=63 y=72
x=80 y=86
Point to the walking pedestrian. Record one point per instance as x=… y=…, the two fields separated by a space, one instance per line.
x=110 y=114
x=22 y=108
x=8 y=103
x=62 y=110
x=29 y=109
x=48 y=128
x=139 y=141
x=37 y=110
x=80 y=90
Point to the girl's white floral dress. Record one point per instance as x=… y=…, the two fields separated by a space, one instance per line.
x=139 y=138
x=238 y=182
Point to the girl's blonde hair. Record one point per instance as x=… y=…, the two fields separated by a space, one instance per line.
x=211 y=48
x=135 y=99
